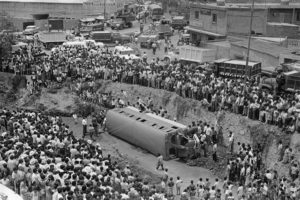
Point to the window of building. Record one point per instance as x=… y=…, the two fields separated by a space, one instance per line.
x=196 y=14
x=214 y=18
x=298 y=16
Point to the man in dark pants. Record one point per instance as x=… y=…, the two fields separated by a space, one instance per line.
x=95 y=125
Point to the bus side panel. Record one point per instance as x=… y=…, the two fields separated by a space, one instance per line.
x=137 y=133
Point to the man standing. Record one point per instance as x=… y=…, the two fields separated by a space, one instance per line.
x=154 y=46
x=84 y=127
x=231 y=142
x=95 y=125
x=160 y=162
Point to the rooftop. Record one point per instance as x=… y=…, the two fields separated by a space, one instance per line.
x=247 y=5
x=265 y=47
x=48 y=1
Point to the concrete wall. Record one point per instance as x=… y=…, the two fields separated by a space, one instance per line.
x=266 y=59
x=277 y=30
x=238 y=21
x=26 y=10
x=205 y=21
x=222 y=50
x=77 y=11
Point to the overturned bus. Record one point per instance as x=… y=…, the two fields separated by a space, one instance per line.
x=150 y=132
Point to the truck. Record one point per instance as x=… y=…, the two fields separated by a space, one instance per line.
x=91 y=24
x=50 y=39
x=230 y=68
x=146 y=41
x=109 y=37
x=179 y=22
x=283 y=82
x=156 y=12
x=164 y=29
x=190 y=54
x=122 y=21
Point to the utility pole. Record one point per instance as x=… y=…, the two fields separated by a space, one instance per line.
x=250 y=33
x=104 y=9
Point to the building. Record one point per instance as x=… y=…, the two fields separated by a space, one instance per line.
x=269 y=53
x=214 y=21
x=36 y=12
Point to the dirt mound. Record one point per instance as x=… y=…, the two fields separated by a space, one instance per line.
x=187 y=110
x=10 y=86
x=51 y=101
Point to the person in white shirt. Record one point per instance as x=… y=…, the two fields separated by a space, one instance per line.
x=178 y=185
x=84 y=127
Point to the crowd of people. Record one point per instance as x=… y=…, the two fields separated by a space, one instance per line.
x=42 y=160
x=71 y=168
x=237 y=96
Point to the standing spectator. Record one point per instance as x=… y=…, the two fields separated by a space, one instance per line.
x=171 y=187
x=84 y=127
x=75 y=118
x=231 y=142
x=178 y=185
x=160 y=162
x=154 y=46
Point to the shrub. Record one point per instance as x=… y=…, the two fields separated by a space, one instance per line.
x=84 y=109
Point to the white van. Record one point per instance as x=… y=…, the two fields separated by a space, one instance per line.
x=81 y=44
x=125 y=52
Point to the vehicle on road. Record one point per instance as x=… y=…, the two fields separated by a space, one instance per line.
x=109 y=37
x=126 y=53
x=80 y=44
x=179 y=22
x=164 y=28
x=156 y=12
x=31 y=30
x=50 y=39
x=122 y=21
x=146 y=41
x=184 y=39
x=283 y=82
x=235 y=69
x=190 y=54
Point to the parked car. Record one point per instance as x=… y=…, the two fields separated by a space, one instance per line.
x=31 y=30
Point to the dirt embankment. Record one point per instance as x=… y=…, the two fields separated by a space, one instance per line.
x=187 y=110
x=59 y=101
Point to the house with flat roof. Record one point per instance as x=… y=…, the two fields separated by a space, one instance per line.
x=215 y=21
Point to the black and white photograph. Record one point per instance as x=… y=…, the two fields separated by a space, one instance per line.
x=149 y=99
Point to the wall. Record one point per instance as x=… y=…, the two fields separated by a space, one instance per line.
x=25 y=10
x=205 y=20
x=277 y=30
x=266 y=59
x=77 y=11
x=222 y=49
x=239 y=21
